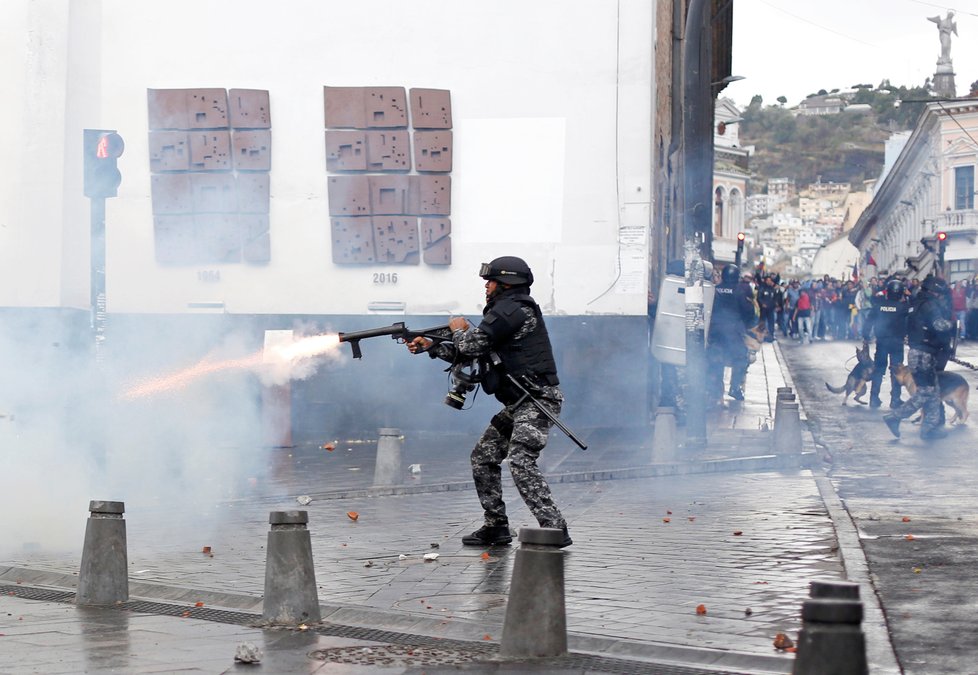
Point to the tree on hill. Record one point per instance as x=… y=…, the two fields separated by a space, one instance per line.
x=846 y=147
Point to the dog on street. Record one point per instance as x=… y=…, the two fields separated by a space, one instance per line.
x=953 y=390
x=858 y=378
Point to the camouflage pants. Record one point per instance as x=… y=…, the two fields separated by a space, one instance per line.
x=923 y=367
x=520 y=433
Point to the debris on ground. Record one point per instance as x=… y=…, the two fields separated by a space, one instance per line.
x=369 y=563
x=415 y=468
x=429 y=557
x=352 y=515
x=701 y=609
x=304 y=500
x=782 y=641
x=206 y=550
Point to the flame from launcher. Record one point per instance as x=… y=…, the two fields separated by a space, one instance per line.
x=282 y=358
x=303 y=348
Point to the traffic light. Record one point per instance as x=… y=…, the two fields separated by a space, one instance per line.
x=101 y=149
x=740 y=246
x=941 y=248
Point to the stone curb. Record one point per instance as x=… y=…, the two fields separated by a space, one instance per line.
x=455 y=629
x=755 y=463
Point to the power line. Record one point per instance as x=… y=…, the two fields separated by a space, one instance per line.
x=825 y=28
x=931 y=4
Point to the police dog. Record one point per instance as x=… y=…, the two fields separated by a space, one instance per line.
x=953 y=390
x=858 y=378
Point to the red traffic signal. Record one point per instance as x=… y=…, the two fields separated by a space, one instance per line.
x=741 y=236
x=941 y=236
x=101 y=148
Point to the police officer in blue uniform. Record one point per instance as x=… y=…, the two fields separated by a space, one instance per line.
x=888 y=320
x=511 y=339
x=733 y=314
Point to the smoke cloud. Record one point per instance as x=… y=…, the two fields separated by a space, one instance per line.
x=163 y=420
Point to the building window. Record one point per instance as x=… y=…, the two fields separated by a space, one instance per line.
x=964 y=187
x=961 y=269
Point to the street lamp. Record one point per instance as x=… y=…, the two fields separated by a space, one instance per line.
x=728 y=79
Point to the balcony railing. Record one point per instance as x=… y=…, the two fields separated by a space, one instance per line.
x=952 y=221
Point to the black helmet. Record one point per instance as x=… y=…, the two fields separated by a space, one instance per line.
x=730 y=274
x=508 y=270
x=934 y=285
x=895 y=289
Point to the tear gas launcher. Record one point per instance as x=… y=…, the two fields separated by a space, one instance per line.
x=465 y=375
x=397 y=331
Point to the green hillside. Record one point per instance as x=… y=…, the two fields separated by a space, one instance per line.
x=846 y=147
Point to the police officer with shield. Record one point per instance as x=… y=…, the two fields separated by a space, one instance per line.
x=511 y=340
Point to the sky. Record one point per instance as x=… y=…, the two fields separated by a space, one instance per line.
x=792 y=49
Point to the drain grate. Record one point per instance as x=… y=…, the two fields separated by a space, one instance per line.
x=402 y=649
x=396 y=655
x=402 y=656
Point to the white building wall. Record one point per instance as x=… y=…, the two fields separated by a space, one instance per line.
x=552 y=119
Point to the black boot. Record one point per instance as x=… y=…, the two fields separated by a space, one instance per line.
x=893 y=423
x=488 y=536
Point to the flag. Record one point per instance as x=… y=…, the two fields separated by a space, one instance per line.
x=869 y=259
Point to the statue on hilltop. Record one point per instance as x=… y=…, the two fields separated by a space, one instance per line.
x=945 y=26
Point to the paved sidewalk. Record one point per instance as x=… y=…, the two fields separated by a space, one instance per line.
x=732 y=527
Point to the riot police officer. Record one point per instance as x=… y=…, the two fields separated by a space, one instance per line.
x=929 y=335
x=888 y=320
x=733 y=314
x=511 y=339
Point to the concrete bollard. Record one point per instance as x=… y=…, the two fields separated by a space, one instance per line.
x=831 y=639
x=831 y=588
x=536 y=620
x=664 y=435
x=387 y=471
x=787 y=429
x=290 y=578
x=104 y=575
x=783 y=396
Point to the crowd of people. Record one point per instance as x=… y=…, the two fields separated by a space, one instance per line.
x=833 y=309
x=928 y=316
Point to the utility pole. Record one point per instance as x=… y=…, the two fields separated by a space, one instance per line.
x=697 y=167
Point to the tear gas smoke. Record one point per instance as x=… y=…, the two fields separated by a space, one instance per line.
x=275 y=366
x=175 y=447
